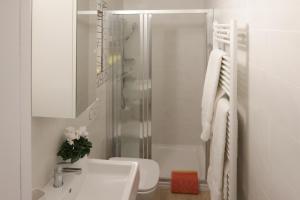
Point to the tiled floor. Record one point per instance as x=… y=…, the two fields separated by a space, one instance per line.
x=165 y=194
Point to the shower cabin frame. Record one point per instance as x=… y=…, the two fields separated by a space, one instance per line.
x=146 y=63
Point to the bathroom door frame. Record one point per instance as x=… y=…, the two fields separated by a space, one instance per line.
x=16 y=90
x=25 y=99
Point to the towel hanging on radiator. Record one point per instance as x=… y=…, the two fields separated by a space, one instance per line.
x=210 y=91
x=216 y=166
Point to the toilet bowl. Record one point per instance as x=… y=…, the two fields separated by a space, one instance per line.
x=149 y=177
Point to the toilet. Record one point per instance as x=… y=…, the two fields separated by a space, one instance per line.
x=149 y=177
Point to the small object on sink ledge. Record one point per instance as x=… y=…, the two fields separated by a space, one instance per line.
x=38 y=194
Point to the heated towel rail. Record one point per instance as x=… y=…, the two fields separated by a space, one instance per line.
x=225 y=38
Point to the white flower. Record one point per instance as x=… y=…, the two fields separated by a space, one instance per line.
x=82 y=131
x=71 y=134
x=71 y=142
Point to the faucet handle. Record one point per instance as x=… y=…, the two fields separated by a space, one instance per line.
x=63 y=163
x=59 y=169
x=71 y=170
x=59 y=166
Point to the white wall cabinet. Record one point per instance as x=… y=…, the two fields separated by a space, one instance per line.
x=63 y=58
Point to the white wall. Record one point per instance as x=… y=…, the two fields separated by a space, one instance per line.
x=115 y=4
x=162 y=4
x=47 y=134
x=269 y=96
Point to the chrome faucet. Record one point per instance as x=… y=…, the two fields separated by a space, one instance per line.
x=59 y=171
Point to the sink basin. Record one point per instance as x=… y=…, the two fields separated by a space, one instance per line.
x=100 y=179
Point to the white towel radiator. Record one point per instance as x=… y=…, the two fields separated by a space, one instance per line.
x=225 y=38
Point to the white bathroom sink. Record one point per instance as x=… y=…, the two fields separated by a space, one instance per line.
x=99 y=180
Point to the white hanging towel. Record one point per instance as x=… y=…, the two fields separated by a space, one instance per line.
x=225 y=181
x=217 y=150
x=209 y=91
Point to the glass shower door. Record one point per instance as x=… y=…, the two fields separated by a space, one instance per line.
x=160 y=76
x=131 y=85
x=179 y=46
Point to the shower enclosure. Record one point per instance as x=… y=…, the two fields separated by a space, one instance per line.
x=158 y=60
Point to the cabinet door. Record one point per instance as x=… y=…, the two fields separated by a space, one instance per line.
x=53 y=58
x=63 y=58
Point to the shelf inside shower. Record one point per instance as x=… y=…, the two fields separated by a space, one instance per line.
x=129 y=61
x=126 y=74
x=138 y=85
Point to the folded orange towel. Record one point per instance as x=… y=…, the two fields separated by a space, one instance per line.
x=185 y=182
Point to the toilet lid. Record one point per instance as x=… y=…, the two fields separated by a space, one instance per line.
x=149 y=172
